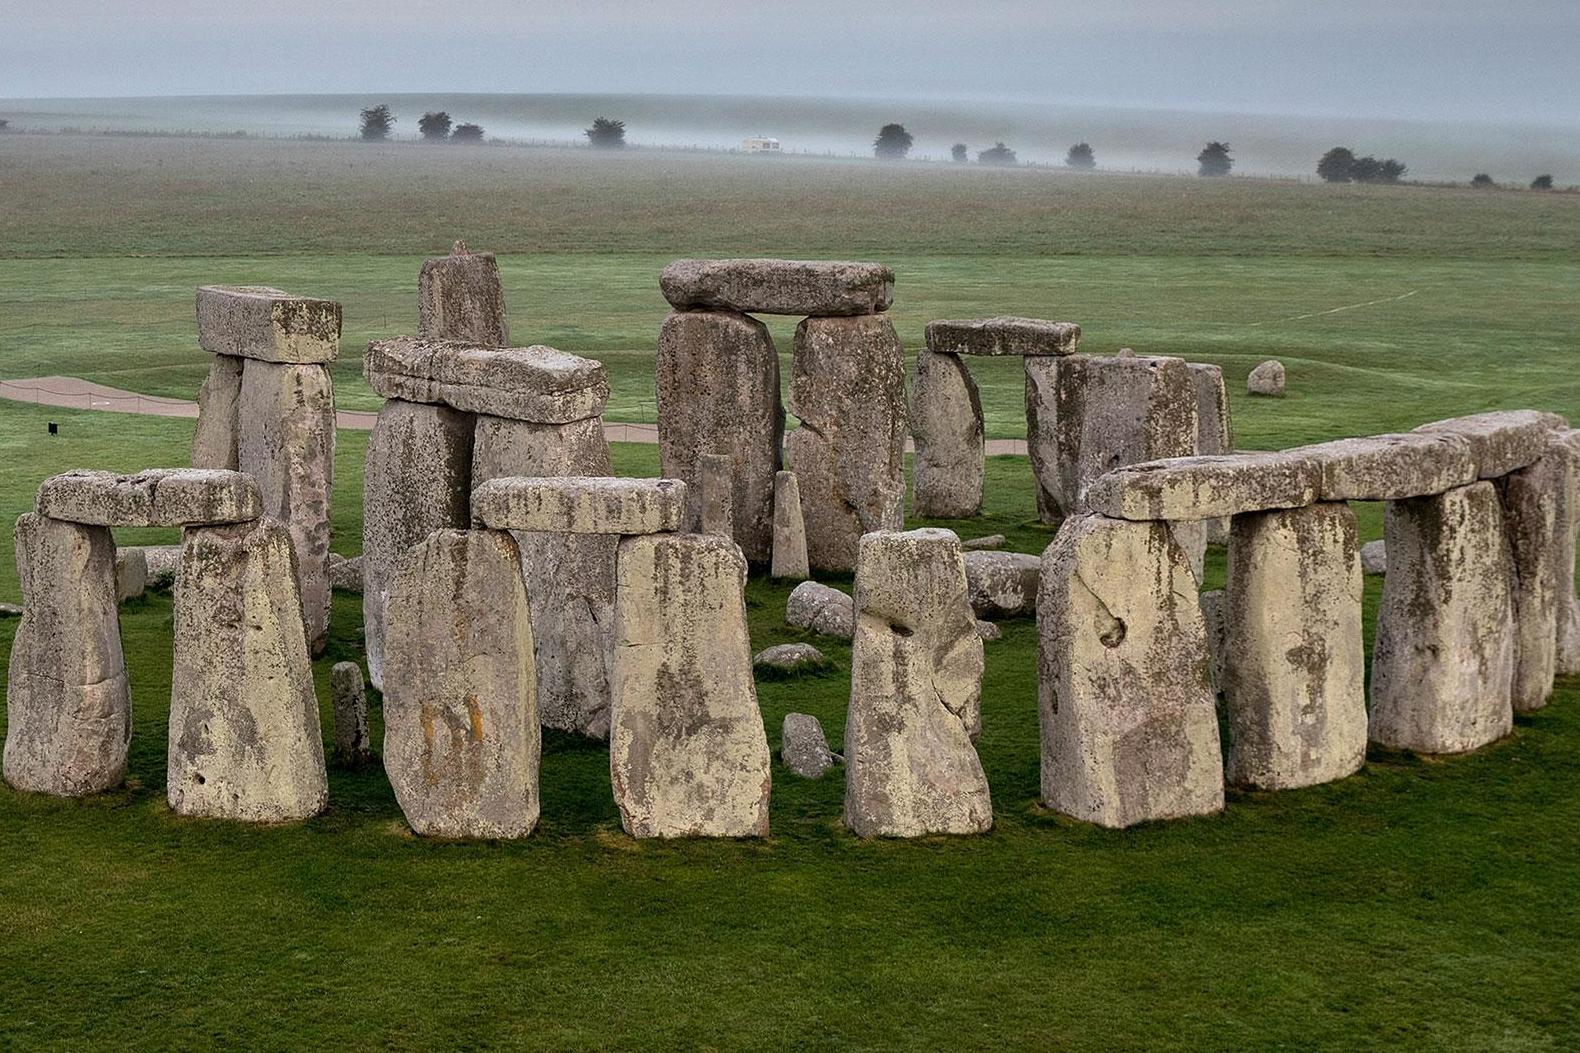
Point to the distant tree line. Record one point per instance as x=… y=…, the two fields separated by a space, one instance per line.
x=1340 y=165
x=435 y=126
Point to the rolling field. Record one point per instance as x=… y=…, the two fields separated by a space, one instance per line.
x=1423 y=904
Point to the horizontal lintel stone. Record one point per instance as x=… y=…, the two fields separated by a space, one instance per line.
x=256 y=321
x=156 y=497
x=536 y=384
x=1020 y=337
x=1502 y=441
x=795 y=287
x=581 y=505
x=1393 y=467
x=1205 y=487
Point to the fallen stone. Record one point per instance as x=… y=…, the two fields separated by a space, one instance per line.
x=537 y=384
x=1532 y=500
x=1443 y=660
x=820 y=609
x=350 y=703
x=915 y=692
x=345 y=575
x=68 y=711
x=131 y=574
x=991 y=541
x=10 y=610
x=715 y=477
x=1125 y=352
x=1504 y=440
x=459 y=297
x=803 y=748
x=267 y=325
x=1266 y=379
x=789 y=658
x=1002 y=584
x=789 y=545
x=1212 y=614
x=157 y=497
x=688 y=756
x=988 y=631
x=946 y=423
x=800 y=287
x=1374 y=557
x=244 y=740
x=163 y=562
x=1391 y=467
x=580 y=504
x=215 y=437
x=1022 y=337
x=1205 y=487
x=1129 y=729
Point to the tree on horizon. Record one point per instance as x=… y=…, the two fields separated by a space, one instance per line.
x=1081 y=155
x=606 y=134
x=376 y=123
x=467 y=133
x=434 y=126
x=1337 y=165
x=1482 y=181
x=958 y=153
x=1214 y=160
x=893 y=143
x=999 y=155
x=1542 y=182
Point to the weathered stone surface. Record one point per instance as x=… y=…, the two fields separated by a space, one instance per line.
x=991 y=541
x=1443 y=660
x=244 y=737
x=350 y=701
x=818 y=608
x=761 y=286
x=537 y=384
x=1129 y=731
x=345 y=575
x=803 y=747
x=218 y=427
x=789 y=550
x=131 y=574
x=416 y=478
x=1266 y=379
x=1205 y=487
x=1374 y=557
x=1567 y=659
x=459 y=297
x=68 y=713
x=788 y=658
x=1294 y=665
x=915 y=692
x=156 y=497
x=946 y=424
x=1191 y=537
x=164 y=561
x=1002 y=584
x=715 y=478
x=570 y=577
x=988 y=631
x=1212 y=615
x=1214 y=435
x=1003 y=335
x=717 y=381
x=288 y=446
x=1391 y=467
x=1532 y=500
x=688 y=756
x=580 y=504
x=1504 y=440
x=267 y=325
x=461 y=735
x=1042 y=443
x=848 y=388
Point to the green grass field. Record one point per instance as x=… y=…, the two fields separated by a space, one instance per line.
x=1423 y=904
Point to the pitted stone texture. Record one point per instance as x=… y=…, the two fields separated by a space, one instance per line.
x=762 y=286
x=715 y=478
x=244 y=737
x=461 y=735
x=1004 y=335
x=789 y=562
x=1374 y=557
x=820 y=609
x=1002 y=584
x=350 y=704
x=915 y=692
x=1205 y=487
x=1443 y=661
x=848 y=388
x=1532 y=500
x=267 y=325
x=157 y=497
x=537 y=384
x=1191 y=537
x=131 y=574
x=717 y=381
x=1214 y=435
x=803 y=747
x=1266 y=379
x=688 y=756
x=288 y=446
x=345 y=575
x=459 y=297
x=580 y=504
x=1503 y=440
x=946 y=423
x=1212 y=615
x=1294 y=665
x=1129 y=731
x=1391 y=467
x=1567 y=660
x=217 y=432
x=164 y=561
x=416 y=478
x=1042 y=444
x=569 y=577
x=68 y=713
x=788 y=658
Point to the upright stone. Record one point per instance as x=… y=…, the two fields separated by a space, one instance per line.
x=217 y=434
x=68 y=713
x=461 y=738
x=131 y=574
x=688 y=755
x=1443 y=661
x=1213 y=432
x=1567 y=659
x=1294 y=662
x=1129 y=730
x=1533 y=500
x=350 y=704
x=244 y=737
x=717 y=514
x=1042 y=411
x=848 y=389
x=789 y=560
x=946 y=423
x=459 y=297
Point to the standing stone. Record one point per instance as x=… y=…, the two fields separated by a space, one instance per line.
x=570 y=578
x=131 y=574
x=288 y=445
x=688 y=756
x=1266 y=379
x=216 y=436
x=68 y=713
x=459 y=297
x=717 y=512
x=351 y=714
x=1129 y=730
x=848 y=389
x=1294 y=665
x=1567 y=658
x=717 y=379
x=1042 y=405
x=461 y=735
x=1532 y=500
x=789 y=560
x=1212 y=614
x=244 y=737
x=1443 y=661
x=915 y=692
x=416 y=479
x=946 y=422
x=1213 y=432
x=803 y=748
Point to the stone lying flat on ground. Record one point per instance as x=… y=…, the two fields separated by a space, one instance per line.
x=1503 y=440
x=804 y=748
x=131 y=574
x=345 y=575
x=1533 y=501
x=10 y=610
x=68 y=711
x=459 y=297
x=258 y=322
x=157 y=497
x=218 y=429
x=946 y=424
x=1002 y=584
x=1391 y=467
x=988 y=631
x=1374 y=557
x=788 y=657
x=991 y=541
x=1004 y=335
x=349 y=701
x=580 y=504
x=537 y=384
x=818 y=608
x=789 y=552
x=163 y=562
x=1266 y=379
x=1205 y=487
x=762 y=286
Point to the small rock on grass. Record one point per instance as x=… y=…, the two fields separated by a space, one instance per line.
x=1374 y=557
x=804 y=748
x=789 y=658
x=992 y=541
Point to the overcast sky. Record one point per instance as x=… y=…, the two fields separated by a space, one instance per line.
x=1488 y=59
